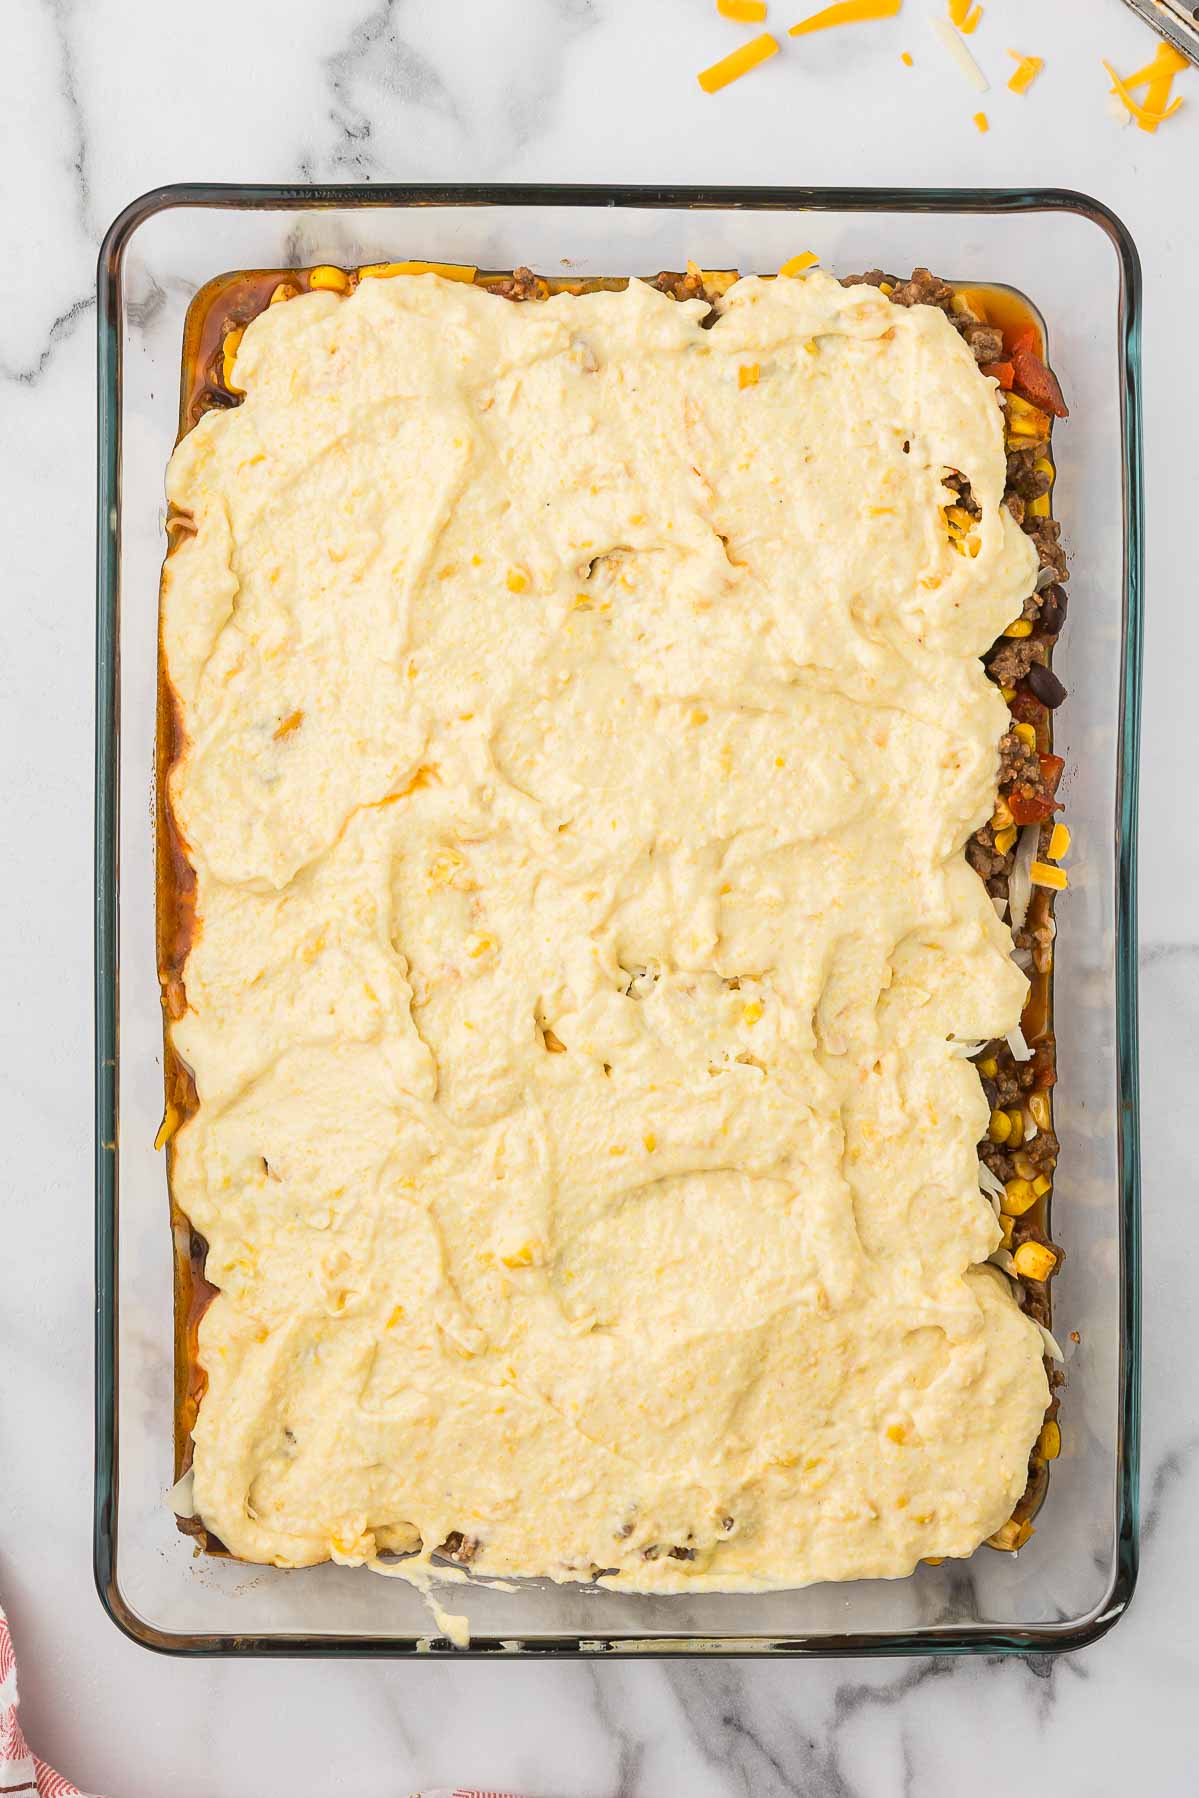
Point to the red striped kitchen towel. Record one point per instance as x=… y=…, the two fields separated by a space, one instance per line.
x=21 y=1771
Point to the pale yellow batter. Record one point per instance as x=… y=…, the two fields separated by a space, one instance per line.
x=585 y=722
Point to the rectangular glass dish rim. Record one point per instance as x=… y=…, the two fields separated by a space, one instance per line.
x=939 y=1639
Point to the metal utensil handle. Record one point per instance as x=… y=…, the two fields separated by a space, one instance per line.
x=1176 y=20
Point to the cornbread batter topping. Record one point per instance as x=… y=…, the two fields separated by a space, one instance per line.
x=583 y=722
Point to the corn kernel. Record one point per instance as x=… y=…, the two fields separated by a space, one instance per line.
x=1027 y=734
x=1000 y=1127
x=1019 y=627
x=335 y=280
x=1024 y=1166
x=1034 y=1261
x=1043 y=874
x=1007 y=1225
x=1026 y=418
x=934 y=1560
x=172 y=1118
x=988 y=1067
x=1019 y=1197
x=1005 y=840
x=1059 y=843
x=229 y=356
x=1013 y=1535
x=1018 y=1131
x=1041 y=1185
x=1009 y=693
x=1038 y=1104
x=1039 y=507
x=1001 y=817
x=1049 y=1442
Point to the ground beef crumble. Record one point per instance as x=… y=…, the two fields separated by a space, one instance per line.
x=522 y=284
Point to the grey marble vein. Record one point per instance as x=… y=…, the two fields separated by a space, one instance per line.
x=63 y=327
x=629 y=1748
x=1170 y=1471
x=62 y=16
x=379 y=60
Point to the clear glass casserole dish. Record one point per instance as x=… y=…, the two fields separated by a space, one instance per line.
x=1077 y=265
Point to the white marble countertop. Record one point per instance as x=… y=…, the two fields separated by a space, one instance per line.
x=111 y=97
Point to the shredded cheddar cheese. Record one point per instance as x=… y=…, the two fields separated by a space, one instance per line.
x=1026 y=71
x=1166 y=64
x=846 y=12
x=1147 y=117
x=449 y=271
x=796 y=265
x=1167 y=57
x=747 y=374
x=981 y=120
x=742 y=12
x=905 y=59
x=740 y=62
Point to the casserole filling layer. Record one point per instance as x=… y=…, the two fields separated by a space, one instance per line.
x=583 y=721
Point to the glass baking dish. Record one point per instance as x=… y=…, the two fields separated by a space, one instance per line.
x=1078 y=266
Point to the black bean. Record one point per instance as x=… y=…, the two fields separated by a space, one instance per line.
x=1045 y=686
x=1053 y=609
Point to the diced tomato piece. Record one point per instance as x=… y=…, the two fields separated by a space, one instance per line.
x=1027 y=338
x=1030 y=808
x=1003 y=372
x=1051 y=770
x=1037 y=384
x=1026 y=709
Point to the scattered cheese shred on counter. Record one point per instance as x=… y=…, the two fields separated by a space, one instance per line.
x=1165 y=65
x=1155 y=111
x=1167 y=57
x=957 y=49
x=796 y=265
x=742 y=12
x=1026 y=71
x=731 y=68
x=981 y=120
x=965 y=16
x=905 y=59
x=846 y=12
